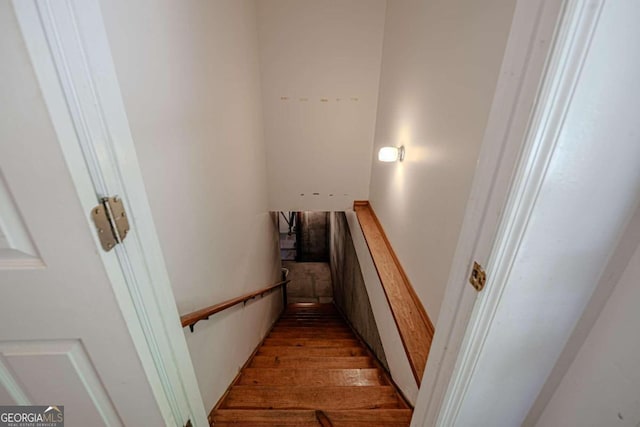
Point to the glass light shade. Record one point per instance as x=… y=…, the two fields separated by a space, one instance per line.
x=391 y=154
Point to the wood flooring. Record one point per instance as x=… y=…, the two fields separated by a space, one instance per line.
x=312 y=370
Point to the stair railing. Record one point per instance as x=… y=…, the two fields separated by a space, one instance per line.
x=194 y=317
x=415 y=328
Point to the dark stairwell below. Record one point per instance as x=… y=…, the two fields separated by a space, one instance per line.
x=324 y=267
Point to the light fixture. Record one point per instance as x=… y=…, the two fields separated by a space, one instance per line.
x=391 y=154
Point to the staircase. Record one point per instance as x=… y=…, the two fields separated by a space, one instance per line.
x=312 y=370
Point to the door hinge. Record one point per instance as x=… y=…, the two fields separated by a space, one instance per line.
x=478 y=277
x=111 y=222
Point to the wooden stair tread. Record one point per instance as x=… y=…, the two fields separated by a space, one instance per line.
x=311 y=314
x=311 y=332
x=311 y=360
x=319 y=327
x=310 y=351
x=309 y=324
x=310 y=335
x=314 y=335
x=304 y=417
x=332 y=314
x=311 y=397
x=311 y=377
x=311 y=342
x=310 y=306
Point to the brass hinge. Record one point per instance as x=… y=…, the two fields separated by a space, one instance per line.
x=111 y=222
x=478 y=277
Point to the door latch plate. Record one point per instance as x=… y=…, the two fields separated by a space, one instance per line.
x=478 y=277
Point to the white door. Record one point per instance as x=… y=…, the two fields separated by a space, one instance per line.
x=78 y=325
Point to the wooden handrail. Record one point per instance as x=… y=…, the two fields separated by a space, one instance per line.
x=192 y=318
x=415 y=327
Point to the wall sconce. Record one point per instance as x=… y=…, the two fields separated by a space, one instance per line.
x=391 y=154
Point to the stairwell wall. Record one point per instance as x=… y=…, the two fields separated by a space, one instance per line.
x=440 y=66
x=395 y=354
x=349 y=290
x=320 y=66
x=189 y=74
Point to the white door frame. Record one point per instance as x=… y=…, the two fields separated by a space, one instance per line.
x=69 y=49
x=569 y=51
x=505 y=151
x=547 y=46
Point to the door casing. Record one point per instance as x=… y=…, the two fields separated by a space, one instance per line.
x=70 y=53
x=524 y=67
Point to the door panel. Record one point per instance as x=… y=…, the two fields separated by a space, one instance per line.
x=37 y=369
x=16 y=247
x=58 y=314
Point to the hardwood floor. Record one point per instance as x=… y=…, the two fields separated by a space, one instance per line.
x=312 y=370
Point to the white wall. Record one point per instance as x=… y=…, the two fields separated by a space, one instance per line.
x=611 y=276
x=189 y=74
x=310 y=51
x=440 y=66
x=587 y=195
x=602 y=386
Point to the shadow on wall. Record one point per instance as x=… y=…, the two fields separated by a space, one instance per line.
x=287 y=231
x=350 y=293
x=306 y=234
x=312 y=235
